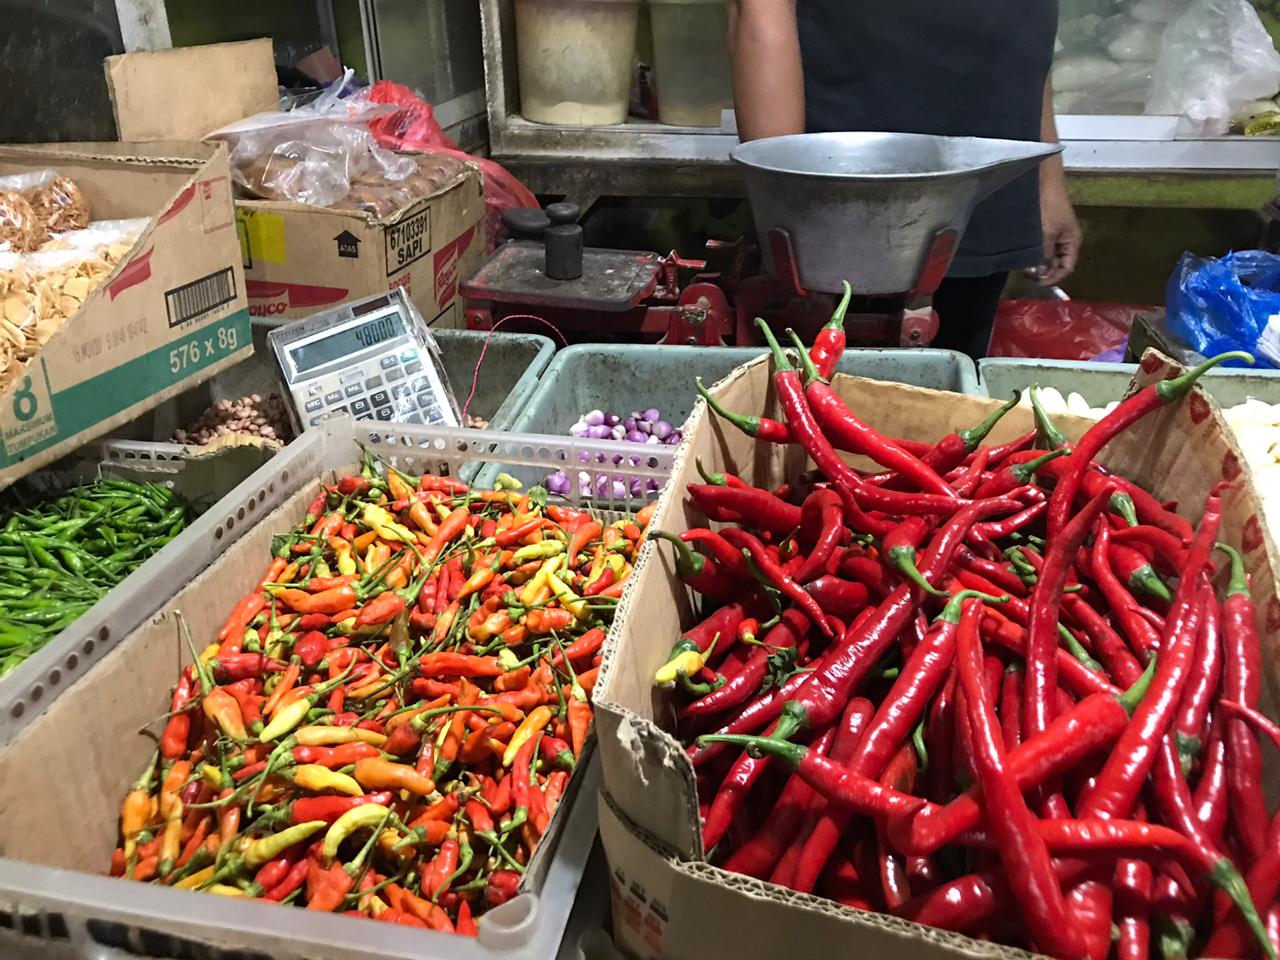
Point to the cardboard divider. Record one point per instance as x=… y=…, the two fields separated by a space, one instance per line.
x=1180 y=453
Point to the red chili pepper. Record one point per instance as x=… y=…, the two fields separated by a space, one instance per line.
x=243 y=666
x=1130 y=411
x=1042 y=634
x=822 y=527
x=1013 y=827
x=848 y=432
x=701 y=573
x=329 y=809
x=774 y=575
x=382 y=609
x=173 y=741
x=248 y=608
x=1117 y=786
x=731 y=504
x=1242 y=683
x=951 y=450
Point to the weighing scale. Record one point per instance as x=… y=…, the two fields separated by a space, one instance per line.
x=884 y=211
x=373 y=359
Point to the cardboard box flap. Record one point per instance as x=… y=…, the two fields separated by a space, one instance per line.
x=684 y=911
x=183 y=93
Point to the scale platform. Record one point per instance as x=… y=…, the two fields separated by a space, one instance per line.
x=612 y=281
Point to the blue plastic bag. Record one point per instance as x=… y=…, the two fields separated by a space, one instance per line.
x=1216 y=305
x=1220 y=305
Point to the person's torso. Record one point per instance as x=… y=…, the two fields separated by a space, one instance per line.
x=956 y=68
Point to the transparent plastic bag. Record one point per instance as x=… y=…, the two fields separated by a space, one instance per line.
x=312 y=154
x=21 y=231
x=57 y=203
x=1214 y=58
x=1217 y=305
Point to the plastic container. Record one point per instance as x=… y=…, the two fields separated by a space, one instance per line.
x=1100 y=383
x=52 y=905
x=623 y=377
x=691 y=61
x=576 y=60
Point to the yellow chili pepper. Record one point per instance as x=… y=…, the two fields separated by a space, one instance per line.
x=537 y=551
x=257 y=852
x=321 y=569
x=286 y=717
x=171 y=841
x=388 y=529
x=223 y=890
x=197 y=879
x=312 y=776
x=289 y=574
x=687 y=662
x=366 y=815
x=539 y=580
x=537 y=719
x=342 y=551
x=570 y=600
x=319 y=735
x=211 y=775
x=209 y=652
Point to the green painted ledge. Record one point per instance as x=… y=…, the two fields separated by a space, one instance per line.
x=1187 y=191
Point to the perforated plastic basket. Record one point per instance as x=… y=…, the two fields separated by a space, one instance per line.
x=49 y=671
x=620 y=378
x=49 y=912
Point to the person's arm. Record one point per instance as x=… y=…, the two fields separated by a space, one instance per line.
x=1062 y=234
x=768 y=82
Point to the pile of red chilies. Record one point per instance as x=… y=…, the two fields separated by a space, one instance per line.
x=991 y=690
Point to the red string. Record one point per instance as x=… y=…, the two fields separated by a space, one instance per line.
x=475 y=378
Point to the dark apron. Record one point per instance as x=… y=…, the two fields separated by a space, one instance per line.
x=949 y=67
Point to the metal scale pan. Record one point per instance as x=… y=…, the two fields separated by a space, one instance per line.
x=884 y=211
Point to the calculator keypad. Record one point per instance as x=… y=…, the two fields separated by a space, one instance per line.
x=390 y=389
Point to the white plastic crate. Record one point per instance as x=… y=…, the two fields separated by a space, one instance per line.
x=47 y=912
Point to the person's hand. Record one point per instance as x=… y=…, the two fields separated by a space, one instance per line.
x=1062 y=235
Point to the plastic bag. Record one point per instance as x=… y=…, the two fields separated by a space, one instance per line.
x=1227 y=304
x=21 y=231
x=313 y=154
x=56 y=202
x=1061 y=329
x=414 y=127
x=1214 y=58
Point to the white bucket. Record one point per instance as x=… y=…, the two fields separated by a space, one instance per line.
x=577 y=58
x=691 y=61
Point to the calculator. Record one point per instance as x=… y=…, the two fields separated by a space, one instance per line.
x=373 y=359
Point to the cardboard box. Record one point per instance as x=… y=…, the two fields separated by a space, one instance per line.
x=675 y=906
x=171 y=314
x=299 y=260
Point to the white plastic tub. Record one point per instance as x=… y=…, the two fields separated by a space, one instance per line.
x=576 y=60
x=691 y=61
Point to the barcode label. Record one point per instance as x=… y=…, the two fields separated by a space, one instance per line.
x=193 y=300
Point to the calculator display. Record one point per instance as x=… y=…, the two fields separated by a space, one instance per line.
x=344 y=343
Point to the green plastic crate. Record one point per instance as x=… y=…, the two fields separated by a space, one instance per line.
x=623 y=377
x=1100 y=383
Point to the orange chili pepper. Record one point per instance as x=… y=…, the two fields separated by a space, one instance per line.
x=451 y=528
x=375 y=773
x=223 y=710
x=361 y=542
x=646 y=514
x=274 y=569
x=286 y=683
x=398 y=488
x=582 y=536
x=420 y=514
x=174 y=781
x=329 y=601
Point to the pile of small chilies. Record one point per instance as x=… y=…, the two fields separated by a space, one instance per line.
x=385 y=726
x=964 y=693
